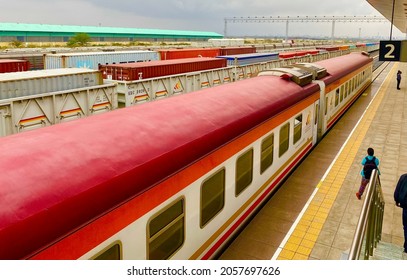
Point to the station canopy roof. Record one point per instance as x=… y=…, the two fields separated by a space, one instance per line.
x=385 y=7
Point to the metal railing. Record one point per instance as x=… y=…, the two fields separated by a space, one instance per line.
x=369 y=229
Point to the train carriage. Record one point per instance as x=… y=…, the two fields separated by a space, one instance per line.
x=172 y=179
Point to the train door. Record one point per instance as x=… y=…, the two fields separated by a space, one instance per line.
x=315 y=123
x=319 y=114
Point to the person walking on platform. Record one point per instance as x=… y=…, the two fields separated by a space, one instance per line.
x=398 y=79
x=369 y=163
x=400 y=197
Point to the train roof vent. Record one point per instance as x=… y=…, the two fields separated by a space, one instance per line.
x=317 y=71
x=299 y=76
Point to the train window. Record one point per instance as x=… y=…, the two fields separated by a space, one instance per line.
x=166 y=231
x=343 y=93
x=316 y=114
x=112 y=252
x=212 y=196
x=267 y=148
x=341 y=96
x=337 y=97
x=297 y=128
x=244 y=171
x=284 y=137
x=326 y=105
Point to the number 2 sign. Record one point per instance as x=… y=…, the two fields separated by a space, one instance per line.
x=390 y=50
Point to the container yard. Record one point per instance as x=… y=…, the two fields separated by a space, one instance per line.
x=33 y=99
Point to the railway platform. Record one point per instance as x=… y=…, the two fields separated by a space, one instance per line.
x=314 y=214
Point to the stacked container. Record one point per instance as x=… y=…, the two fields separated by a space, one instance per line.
x=92 y=60
x=151 y=69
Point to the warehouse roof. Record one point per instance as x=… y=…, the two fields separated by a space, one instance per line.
x=26 y=29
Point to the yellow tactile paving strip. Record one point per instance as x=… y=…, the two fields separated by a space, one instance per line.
x=301 y=239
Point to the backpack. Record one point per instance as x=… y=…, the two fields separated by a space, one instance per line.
x=369 y=166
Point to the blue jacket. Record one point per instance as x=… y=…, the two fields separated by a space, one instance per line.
x=364 y=161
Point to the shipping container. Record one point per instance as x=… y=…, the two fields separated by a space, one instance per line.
x=188 y=53
x=151 y=69
x=251 y=58
x=298 y=53
x=35 y=59
x=371 y=44
x=328 y=48
x=285 y=55
x=312 y=52
x=236 y=50
x=226 y=42
x=42 y=81
x=92 y=60
x=344 y=47
x=13 y=65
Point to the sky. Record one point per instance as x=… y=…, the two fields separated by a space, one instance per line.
x=199 y=15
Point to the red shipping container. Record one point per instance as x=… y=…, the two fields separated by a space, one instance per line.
x=301 y=53
x=312 y=52
x=287 y=54
x=13 y=65
x=188 y=53
x=236 y=50
x=328 y=48
x=152 y=69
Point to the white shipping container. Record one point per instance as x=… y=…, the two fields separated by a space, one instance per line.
x=91 y=60
x=233 y=42
x=27 y=83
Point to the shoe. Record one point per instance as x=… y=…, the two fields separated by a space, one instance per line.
x=358 y=195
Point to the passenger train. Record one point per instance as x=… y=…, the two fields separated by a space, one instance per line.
x=171 y=179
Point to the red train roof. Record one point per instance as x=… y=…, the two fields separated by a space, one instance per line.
x=341 y=66
x=56 y=179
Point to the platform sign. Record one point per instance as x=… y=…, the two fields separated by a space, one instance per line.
x=393 y=51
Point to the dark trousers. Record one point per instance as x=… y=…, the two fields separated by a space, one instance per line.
x=398 y=84
x=405 y=228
